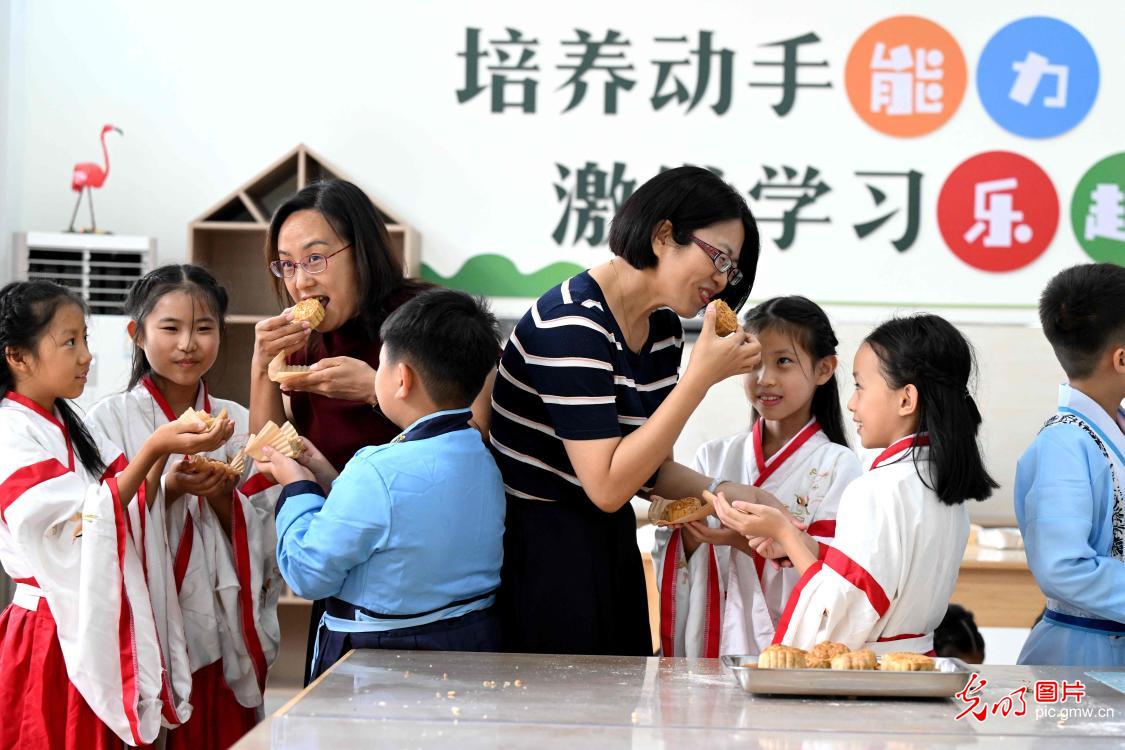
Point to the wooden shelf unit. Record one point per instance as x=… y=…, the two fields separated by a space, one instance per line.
x=229 y=240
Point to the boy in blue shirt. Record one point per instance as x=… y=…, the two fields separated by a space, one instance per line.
x=408 y=543
x=1069 y=483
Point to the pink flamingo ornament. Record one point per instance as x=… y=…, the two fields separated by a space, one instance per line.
x=88 y=176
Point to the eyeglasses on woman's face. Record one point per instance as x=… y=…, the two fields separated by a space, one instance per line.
x=722 y=261
x=315 y=263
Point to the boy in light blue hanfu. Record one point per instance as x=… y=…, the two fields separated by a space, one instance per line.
x=408 y=544
x=1069 y=483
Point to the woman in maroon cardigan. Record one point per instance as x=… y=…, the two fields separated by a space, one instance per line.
x=329 y=242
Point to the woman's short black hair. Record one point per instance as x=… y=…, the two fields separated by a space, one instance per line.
x=689 y=198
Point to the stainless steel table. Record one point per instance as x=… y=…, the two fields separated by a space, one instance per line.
x=421 y=699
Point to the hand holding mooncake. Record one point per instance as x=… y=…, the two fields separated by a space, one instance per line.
x=306 y=310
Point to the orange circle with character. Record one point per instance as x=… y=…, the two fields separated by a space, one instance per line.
x=905 y=76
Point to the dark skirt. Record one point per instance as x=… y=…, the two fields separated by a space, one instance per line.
x=573 y=581
x=475 y=631
x=315 y=615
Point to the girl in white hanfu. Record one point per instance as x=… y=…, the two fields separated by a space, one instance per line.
x=901 y=529
x=81 y=664
x=210 y=544
x=719 y=592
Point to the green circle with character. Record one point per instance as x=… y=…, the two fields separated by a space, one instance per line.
x=1097 y=210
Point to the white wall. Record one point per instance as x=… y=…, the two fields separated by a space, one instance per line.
x=5 y=233
x=6 y=53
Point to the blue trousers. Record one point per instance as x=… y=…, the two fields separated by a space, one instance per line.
x=476 y=631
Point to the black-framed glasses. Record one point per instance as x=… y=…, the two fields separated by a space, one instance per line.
x=315 y=263
x=722 y=261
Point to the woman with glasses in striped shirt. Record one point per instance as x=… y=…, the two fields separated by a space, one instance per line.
x=589 y=401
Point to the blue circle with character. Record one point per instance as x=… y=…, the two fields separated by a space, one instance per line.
x=1038 y=77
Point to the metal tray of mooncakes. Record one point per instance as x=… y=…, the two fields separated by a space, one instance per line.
x=948 y=678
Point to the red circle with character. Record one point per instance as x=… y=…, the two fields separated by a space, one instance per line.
x=998 y=211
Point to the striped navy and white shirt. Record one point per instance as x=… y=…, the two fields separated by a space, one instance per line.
x=567 y=374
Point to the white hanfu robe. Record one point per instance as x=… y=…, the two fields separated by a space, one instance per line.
x=885 y=582
x=1070 y=505
x=722 y=601
x=65 y=538
x=226 y=588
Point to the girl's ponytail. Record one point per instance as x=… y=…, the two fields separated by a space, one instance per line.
x=928 y=352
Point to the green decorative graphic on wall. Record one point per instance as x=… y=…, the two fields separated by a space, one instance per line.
x=496 y=276
x=1097 y=211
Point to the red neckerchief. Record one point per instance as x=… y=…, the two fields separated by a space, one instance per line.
x=23 y=400
x=162 y=402
x=899 y=446
x=766 y=469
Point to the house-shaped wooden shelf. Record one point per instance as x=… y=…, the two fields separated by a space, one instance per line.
x=229 y=240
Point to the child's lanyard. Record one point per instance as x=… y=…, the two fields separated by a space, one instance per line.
x=1072 y=416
